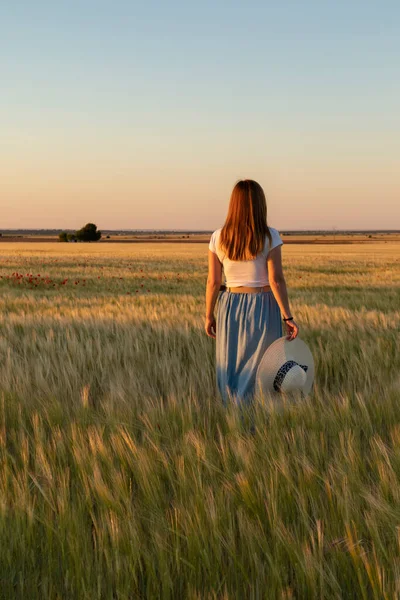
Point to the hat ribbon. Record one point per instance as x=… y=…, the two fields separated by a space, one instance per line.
x=284 y=369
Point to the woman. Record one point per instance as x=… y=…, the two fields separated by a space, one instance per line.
x=250 y=307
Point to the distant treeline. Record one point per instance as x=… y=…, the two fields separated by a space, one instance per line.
x=88 y=233
x=56 y=232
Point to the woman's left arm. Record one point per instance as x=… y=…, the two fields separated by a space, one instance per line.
x=213 y=285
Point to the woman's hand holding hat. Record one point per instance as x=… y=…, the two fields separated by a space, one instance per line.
x=292 y=330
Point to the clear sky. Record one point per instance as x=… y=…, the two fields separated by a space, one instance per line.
x=144 y=114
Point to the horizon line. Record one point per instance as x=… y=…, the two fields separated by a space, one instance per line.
x=183 y=230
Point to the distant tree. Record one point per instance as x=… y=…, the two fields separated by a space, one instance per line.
x=71 y=237
x=88 y=233
x=62 y=237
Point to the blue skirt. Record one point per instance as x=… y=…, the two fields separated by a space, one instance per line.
x=246 y=325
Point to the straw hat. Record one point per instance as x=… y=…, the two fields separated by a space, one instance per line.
x=286 y=367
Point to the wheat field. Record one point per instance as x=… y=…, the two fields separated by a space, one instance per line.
x=123 y=477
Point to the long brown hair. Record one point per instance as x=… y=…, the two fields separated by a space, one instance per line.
x=243 y=235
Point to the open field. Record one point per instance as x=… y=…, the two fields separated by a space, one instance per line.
x=122 y=477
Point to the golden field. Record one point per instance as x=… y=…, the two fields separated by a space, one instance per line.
x=122 y=476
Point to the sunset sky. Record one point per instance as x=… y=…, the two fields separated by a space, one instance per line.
x=144 y=114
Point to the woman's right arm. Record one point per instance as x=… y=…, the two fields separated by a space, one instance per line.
x=213 y=287
x=278 y=286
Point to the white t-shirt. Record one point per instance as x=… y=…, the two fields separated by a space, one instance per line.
x=252 y=273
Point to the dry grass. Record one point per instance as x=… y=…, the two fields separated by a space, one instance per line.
x=121 y=476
